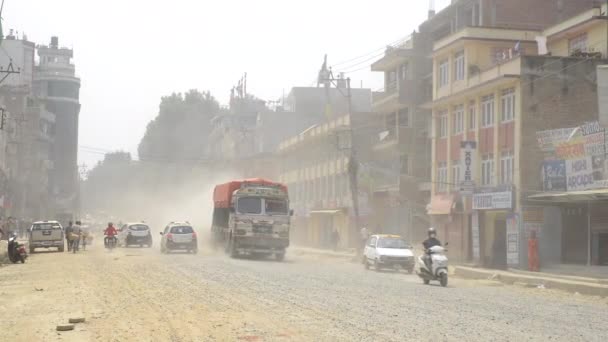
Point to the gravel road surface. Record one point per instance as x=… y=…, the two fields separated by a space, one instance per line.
x=140 y=295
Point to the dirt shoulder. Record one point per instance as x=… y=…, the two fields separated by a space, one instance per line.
x=127 y=295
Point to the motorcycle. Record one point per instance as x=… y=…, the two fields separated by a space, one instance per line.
x=439 y=266
x=110 y=242
x=16 y=250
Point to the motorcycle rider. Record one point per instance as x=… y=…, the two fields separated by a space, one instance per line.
x=432 y=241
x=110 y=233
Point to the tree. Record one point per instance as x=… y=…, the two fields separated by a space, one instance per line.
x=180 y=130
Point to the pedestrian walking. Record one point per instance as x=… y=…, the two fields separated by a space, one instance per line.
x=76 y=235
x=364 y=235
x=533 y=262
x=335 y=239
x=68 y=235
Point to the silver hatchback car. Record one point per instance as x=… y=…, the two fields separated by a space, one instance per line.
x=178 y=236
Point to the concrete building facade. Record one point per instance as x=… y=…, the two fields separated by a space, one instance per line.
x=491 y=87
x=58 y=92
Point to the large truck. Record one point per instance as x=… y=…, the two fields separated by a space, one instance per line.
x=251 y=216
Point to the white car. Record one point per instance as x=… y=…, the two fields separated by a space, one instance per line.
x=388 y=251
x=134 y=234
x=178 y=235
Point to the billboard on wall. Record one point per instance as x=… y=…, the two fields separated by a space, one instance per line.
x=549 y=139
x=513 y=239
x=579 y=173
x=554 y=175
x=493 y=199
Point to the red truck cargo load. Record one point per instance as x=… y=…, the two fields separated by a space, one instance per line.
x=222 y=194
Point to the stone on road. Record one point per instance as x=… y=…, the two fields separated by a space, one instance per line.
x=207 y=297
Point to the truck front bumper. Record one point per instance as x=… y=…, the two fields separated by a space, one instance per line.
x=255 y=243
x=45 y=244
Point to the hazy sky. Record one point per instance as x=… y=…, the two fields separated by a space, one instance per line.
x=129 y=53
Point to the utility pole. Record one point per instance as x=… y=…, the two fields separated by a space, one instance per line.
x=326 y=77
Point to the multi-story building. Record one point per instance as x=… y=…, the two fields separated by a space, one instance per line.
x=400 y=166
x=30 y=131
x=491 y=87
x=57 y=88
x=314 y=165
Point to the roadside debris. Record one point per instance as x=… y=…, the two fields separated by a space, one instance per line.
x=77 y=320
x=65 y=327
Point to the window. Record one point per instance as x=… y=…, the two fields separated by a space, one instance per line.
x=444 y=73
x=472 y=116
x=275 y=206
x=507 y=101
x=456 y=173
x=487 y=111
x=249 y=205
x=405 y=164
x=403 y=72
x=459 y=66
x=181 y=230
x=458 y=119
x=404 y=117
x=578 y=43
x=506 y=167
x=442 y=177
x=442 y=124
x=391 y=80
x=487 y=169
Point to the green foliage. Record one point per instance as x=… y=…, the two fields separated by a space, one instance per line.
x=180 y=130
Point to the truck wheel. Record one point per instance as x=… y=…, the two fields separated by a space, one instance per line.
x=32 y=250
x=426 y=281
x=376 y=266
x=366 y=263
x=279 y=256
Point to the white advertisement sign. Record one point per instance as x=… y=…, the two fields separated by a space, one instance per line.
x=579 y=174
x=549 y=139
x=493 y=200
x=594 y=138
x=468 y=154
x=475 y=236
x=513 y=240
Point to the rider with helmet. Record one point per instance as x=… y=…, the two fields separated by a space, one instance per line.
x=432 y=241
x=110 y=233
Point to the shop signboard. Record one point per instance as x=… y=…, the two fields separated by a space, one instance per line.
x=549 y=139
x=594 y=138
x=475 y=236
x=493 y=199
x=554 y=175
x=468 y=155
x=533 y=218
x=580 y=174
x=513 y=239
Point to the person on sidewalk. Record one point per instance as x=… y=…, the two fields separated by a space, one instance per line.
x=335 y=239
x=68 y=234
x=533 y=262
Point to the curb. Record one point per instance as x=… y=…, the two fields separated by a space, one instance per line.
x=586 y=288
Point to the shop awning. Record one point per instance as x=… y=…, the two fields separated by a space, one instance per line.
x=593 y=195
x=327 y=212
x=441 y=205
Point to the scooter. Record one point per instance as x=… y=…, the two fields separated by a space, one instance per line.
x=439 y=266
x=16 y=250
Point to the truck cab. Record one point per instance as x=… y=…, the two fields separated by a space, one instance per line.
x=253 y=218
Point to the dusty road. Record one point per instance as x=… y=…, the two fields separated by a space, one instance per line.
x=141 y=295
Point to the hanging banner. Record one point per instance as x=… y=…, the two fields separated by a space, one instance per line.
x=580 y=174
x=549 y=139
x=493 y=199
x=468 y=154
x=594 y=138
x=554 y=175
x=513 y=239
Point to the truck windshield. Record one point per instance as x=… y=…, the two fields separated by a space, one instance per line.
x=249 y=205
x=274 y=206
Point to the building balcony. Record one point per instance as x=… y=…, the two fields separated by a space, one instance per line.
x=399 y=94
x=395 y=55
x=507 y=70
x=485 y=34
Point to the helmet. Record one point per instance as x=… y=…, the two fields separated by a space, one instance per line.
x=109 y=224
x=432 y=231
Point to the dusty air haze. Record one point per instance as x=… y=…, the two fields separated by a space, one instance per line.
x=130 y=53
